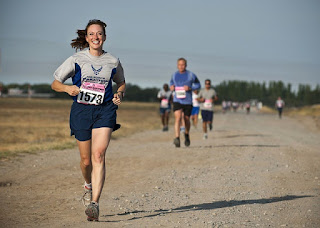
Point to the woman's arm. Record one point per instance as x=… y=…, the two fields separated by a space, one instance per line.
x=118 y=96
x=72 y=90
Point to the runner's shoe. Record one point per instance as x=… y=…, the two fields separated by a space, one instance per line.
x=187 y=140
x=176 y=142
x=92 y=211
x=87 y=196
x=210 y=126
x=205 y=136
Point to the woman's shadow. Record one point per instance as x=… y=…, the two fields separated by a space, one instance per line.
x=204 y=206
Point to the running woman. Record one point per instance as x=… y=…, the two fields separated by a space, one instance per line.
x=183 y=82
x=195 y=108
x=207 y=97
x=279 y=105
x=165 y=97
x=93 y=112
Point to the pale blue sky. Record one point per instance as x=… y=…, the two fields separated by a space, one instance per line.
x=222 y=40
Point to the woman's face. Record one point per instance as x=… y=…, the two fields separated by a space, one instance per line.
x=95 y=37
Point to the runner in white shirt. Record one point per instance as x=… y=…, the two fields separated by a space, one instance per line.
x=165 y=97
x=279 y=105
x=93 y=112
x=195 y=108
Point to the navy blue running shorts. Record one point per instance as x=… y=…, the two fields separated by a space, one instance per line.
x=84 y=118
x=207 y=116
x=164 y=110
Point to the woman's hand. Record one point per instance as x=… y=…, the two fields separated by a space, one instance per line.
x=72 y=90
x=58 y=86
x=117 y=98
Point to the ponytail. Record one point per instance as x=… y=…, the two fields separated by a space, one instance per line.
x=80 y=42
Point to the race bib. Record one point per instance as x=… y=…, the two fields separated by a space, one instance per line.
x=164 y=103
x=180 y=92
x=91 y=93
x=207 y=103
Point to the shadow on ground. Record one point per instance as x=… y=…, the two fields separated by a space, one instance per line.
x=240 y=145
x=204 y=206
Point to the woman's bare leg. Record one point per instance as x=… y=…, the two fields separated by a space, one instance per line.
x=85 y=159
x=100 y=142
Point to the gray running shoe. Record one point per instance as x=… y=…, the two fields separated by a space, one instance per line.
x=176 y=142
x=87 y=197
x=92 y=211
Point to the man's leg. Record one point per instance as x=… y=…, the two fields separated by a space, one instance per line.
x=177 y=121
x=166 y=118
x=204 y=127
x=162 y=119
x=187 y=123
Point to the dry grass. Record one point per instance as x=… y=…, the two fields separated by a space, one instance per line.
x=313 y=111
x=305 y=112
x=32 y=125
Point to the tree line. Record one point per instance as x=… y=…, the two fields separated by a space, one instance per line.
x=235 y=90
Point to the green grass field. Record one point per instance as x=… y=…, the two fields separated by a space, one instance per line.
x=33 y=125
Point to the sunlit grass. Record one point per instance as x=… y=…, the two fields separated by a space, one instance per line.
x=33 y=125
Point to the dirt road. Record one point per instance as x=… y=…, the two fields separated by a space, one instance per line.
x=254 y=171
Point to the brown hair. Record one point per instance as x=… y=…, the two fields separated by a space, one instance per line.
x=183 y=59
x=80 y=42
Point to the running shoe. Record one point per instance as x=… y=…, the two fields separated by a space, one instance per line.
x=210 y=126
x=187 y=140
x=165 y=128
x=87 y=196
x=176 y=142
x=92 y=211
x=205 y=136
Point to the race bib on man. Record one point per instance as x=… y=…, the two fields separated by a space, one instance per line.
x=207 y=103
x=91 y=93
x=180 y=92
x=164 y=103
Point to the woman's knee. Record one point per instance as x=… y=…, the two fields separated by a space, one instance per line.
x=86 y=160
x=98 y=155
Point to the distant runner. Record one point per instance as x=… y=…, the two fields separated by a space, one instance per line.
x=93 y=112
x=247 y=105
x=183 y=82
x=195 y=108
x=279 y=105
x=207 y=97
x=224 y=106
x=165 y=97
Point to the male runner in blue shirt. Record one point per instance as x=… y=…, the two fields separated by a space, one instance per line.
x=182 y=83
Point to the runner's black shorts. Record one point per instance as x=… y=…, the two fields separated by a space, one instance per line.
x=185 y=108
x=84 y=118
